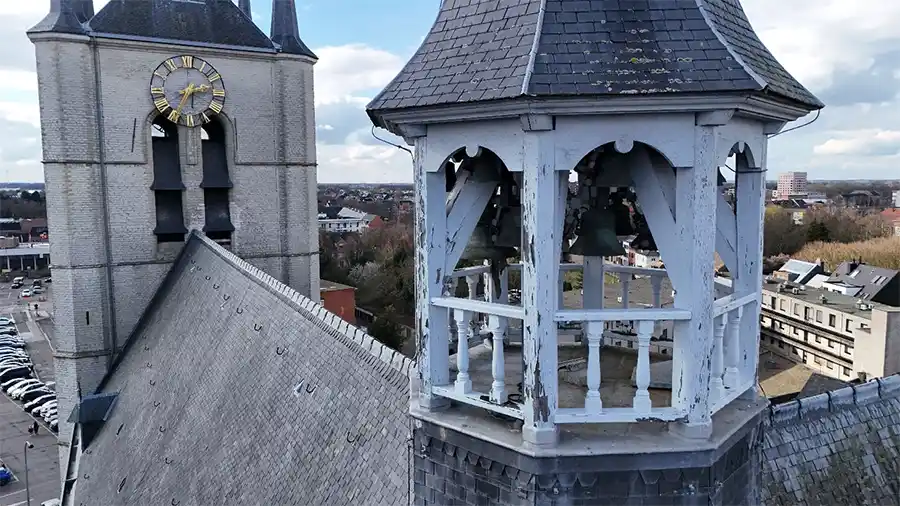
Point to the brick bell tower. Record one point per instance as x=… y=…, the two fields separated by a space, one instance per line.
x=642 y=103
x=159 y=117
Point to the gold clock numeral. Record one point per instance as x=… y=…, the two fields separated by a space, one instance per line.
x=187 y=61
x=157 y=91
x=218 y=93
x=161 y=104
x=204 y=117
x=157 y=74
x=202 y=67
x=174 y=115
x=216 y=107
x=190 y=120
x=214 y=77
x=171 y=64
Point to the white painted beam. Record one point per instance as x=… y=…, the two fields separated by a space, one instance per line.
x=617 y=314
x=465 y=205
x=696 y=230
x=748 y=278
x=432 y=323
x=478 y=306
x=542 y=240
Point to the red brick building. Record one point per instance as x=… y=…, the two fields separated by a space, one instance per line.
x=339 y=299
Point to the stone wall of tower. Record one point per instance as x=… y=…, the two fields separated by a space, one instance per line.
x=269 y=123
x=452 y=468
x=66 y=88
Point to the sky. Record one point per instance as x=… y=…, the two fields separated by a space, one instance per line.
x=847 y=53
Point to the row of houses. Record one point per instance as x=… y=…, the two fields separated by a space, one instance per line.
x=347 y=219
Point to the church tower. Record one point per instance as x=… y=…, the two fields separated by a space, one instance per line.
x=160 y=117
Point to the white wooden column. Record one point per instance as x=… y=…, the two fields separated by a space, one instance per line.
x=432 y=324
x=695 y=223
x=751 y=197
x=542 y=239
x=498 y=326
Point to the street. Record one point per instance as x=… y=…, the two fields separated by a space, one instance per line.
x=43 y=464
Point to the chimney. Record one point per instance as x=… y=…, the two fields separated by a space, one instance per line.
x=245 y=7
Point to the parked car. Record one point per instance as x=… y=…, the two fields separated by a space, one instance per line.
x=6 y=321
x=16 y=362
x=11 y=342
x=45 y=407
x=14 y=372
x=10 y=383
x=39 y=401
x=18 y=383
x=37 y=290
x=31 y=388
x=34 y=394
x=54 y=424
x=25 y=386
x=26 y=293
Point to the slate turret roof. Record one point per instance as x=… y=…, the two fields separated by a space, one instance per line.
x=479 y=50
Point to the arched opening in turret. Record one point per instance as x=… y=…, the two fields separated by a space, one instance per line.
x=216 y=183
x=167 y=184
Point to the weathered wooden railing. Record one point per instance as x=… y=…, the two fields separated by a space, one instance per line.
x=729 y=379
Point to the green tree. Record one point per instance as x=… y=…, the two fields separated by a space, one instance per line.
x=387 y=331
x=818 y=232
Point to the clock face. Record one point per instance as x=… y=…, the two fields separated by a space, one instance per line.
x=187 y=90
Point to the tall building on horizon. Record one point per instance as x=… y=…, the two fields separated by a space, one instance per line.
x=792 y=185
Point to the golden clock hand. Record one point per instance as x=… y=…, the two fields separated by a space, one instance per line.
x=185 y=94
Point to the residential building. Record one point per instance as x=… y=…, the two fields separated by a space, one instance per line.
x=346 y=219
x=797 y=207
x=792 y=185
x=339 y=299
x=863 y=198
x=798 y=271
x=837 y=335
x=865 y=282
x=895 y=198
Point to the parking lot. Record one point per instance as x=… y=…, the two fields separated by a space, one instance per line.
x=43 y=464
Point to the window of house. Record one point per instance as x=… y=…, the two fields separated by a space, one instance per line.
x=847 y=324
x=796 y=309
x=817 y=360
x=772 y=303
x=795 y=351
x=846 y=371
x=806 y=313
x=781 y=344
x=796 y=331
x=848 y=349
x=781 y=305
x=830 y=365
x=832 y=320
x=819 y=339
x=819 y=316
x=830 y=343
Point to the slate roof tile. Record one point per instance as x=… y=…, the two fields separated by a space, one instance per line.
x=222 y=399
x=588 y=47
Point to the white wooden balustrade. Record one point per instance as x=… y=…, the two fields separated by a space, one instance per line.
x=728 y=381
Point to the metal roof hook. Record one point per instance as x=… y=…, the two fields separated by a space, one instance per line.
x=162 y=429
x=174 y=502
x=308 y=388
x=168 y=461
x=215 y=286
x=225 y=296
x=152 y=383
x=280 y=351
x=257 y=327
x=352 y=439
x=207 y=277
x=239 y=310
x=156 y=404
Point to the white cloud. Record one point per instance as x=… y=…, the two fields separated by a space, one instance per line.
x=343 y=72
x=862 y=142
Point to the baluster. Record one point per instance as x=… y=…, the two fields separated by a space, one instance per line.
x=592 y=402
x=498 y=386
x=463 y=326
x=472 y=282
x=623 y=278
x=656 y=282
x=716 y=386
x=733 y=348
x=451 y=320
x=642 y=403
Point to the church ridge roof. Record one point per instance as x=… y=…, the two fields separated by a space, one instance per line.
x=482 y=50
x=286 y=29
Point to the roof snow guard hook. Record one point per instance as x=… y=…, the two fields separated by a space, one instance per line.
x=225 y=296
x=156 y=404
x=352 y=439
x=149 y=365
x=280 y=351
x=152 y=383
x=239 y=310
x=257 y=327
x=174 y=502
x=207 y=277
x=119 y=430
x=215 y=286
x=162 y=430
x=168 y=461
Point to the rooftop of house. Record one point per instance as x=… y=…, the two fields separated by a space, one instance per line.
x=798 y=267
x=229 y=370
x=870 y=279
x=843 y=303
x=483 y=50
x=331 y=286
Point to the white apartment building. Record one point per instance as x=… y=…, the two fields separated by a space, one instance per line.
x=895 y=198
x=836 y=335
x=792 y=184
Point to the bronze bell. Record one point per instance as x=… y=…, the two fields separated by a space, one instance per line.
x=597 y=235
x=489 y=242
x=509 y=228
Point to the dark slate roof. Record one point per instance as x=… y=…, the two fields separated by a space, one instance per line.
x=838 y=448
x=255 y=392
x=65 y=16
x=218 y=22
x=864 y=276
x=286 y=30
x=482 y=50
